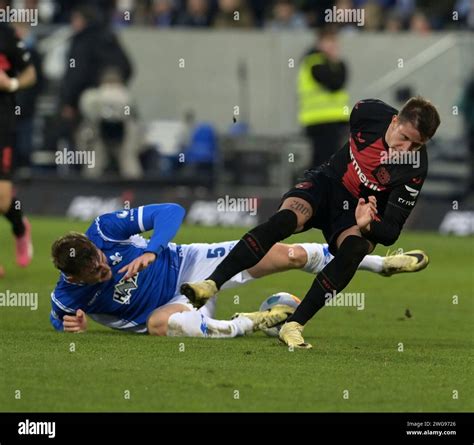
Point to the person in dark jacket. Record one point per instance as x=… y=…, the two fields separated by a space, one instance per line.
x=94 y=48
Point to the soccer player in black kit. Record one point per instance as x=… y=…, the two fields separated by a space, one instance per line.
x=16 y=72
x=362 y=196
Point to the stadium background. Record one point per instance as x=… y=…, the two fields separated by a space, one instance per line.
x=249 y=68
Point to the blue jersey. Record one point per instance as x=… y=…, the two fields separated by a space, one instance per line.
x=126 y=304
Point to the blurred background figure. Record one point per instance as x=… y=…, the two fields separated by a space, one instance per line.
x=110 y=128
x=393 y=22
x=94 y=48
x=323 y=100
x=26 y=100
x=285 y=16
x=163 y=13
x=467 y=109
x=233 y=14
x=196 y=14
x=419 y=23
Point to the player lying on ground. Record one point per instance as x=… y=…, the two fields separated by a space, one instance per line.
x=125 y=282
x=362 y=196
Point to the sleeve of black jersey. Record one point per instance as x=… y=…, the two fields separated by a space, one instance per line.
x=18 y=53
x=400 y=203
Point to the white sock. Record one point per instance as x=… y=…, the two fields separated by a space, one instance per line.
x=196 y=324
x=318 y=257
x=374 y=263
x=209 y=309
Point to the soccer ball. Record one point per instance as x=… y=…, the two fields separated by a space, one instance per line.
x=273 y=300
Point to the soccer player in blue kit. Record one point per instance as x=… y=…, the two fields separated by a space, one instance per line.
x=126 y=282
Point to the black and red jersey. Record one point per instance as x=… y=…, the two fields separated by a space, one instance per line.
x=14 y=58
x=364 y=167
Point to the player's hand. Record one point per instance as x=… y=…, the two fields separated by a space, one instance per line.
x=5 y=81
x=138 y=264
x=75 y=323
x=365 y=213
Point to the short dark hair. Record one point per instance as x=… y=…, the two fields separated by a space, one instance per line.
x=422 y=114
x=73 y=252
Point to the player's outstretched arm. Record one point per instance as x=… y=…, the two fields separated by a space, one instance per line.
x=163 y=219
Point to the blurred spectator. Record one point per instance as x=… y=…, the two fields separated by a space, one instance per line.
x=65 y=9
x=393 y=22
x=93 y=49
x=26 y=100
x=373 y=16
x=323 y=101
x=233 y=14
x=163 y=13
x=419 y=23
x=196 y=14
x=124 y=13
x=314 y=11
x=110 y=127
x=285 y=16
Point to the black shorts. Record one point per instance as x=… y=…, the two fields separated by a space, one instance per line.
x=7 y=140
x=333 y=205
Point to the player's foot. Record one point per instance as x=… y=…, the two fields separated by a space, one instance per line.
x=199 y=292
x=411 y=261
x=292 y=335
x=269 y=318
x=24 y=246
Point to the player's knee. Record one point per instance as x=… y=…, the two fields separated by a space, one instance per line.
x=302 y=210
x=297 y=256
x=354 y=248
x=159 y=330
x=157 y=325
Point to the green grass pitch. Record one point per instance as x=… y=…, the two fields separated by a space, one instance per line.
x=355 y=365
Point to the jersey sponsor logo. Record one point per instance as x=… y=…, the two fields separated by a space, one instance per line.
x=413 y=192
x=304 y=185
x=122 y=214
x=362 y=178
x=124 y=288
x=405 y=202
x=382 y=175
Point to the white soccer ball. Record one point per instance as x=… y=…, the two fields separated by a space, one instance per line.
x=273 y=300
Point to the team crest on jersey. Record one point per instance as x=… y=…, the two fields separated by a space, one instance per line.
x=122 y=214
x=116 y=258
x=304 y=185
x=382 y=175
x=124 y=288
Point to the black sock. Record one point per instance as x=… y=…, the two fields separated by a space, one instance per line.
x=333 y=278
x=15 y=216
x=254 y=245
